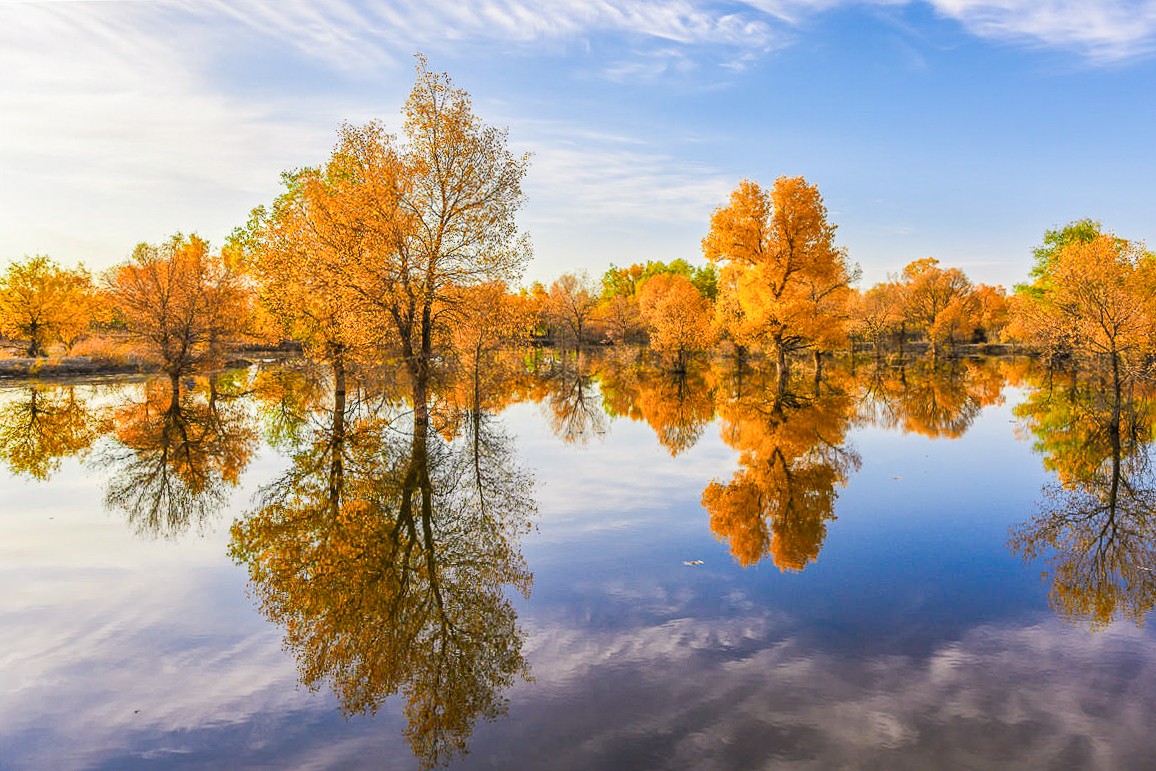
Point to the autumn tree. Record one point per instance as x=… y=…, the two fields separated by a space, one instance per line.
x=626 y=281
x=572 y=304
x=44 y=303
x=621 y=317
x=460 y=192
x=992 y=311
x=939 y=302
x=1076 y=232
x=677 y=316
x=1097 y=299
x=383 y=238
x=488 y=318
x=877 y=315
x=783 y=284
x=181 y=301
x=302 y=252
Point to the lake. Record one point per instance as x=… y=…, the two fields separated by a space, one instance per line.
x=581 y=565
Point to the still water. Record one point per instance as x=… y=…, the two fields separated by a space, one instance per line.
x=588 y=565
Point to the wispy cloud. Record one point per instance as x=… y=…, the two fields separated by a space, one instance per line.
x=634 y=36
x=1100 y=30
x=350 y=32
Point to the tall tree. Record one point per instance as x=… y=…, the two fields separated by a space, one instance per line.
x=783 y=284
x=462 y=189
x=572 y=304
x=379 y=243
x=1076 y=232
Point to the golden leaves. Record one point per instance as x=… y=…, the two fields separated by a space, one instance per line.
x=44 y=303
x=784 y=285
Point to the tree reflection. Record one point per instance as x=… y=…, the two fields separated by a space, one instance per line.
x=930 y=400
x=573 y=407
x=40 y=425
x=176 y=457
x=678 y=406
x=386 y=556
x=1096 y=527
x=792 y=454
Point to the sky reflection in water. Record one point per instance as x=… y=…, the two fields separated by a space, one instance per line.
x=894 y=624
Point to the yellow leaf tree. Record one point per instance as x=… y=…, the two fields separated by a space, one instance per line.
x=783 y=285
x=940 y=302
x=677 y=316
x=43 y=303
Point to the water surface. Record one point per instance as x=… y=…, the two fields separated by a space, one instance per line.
x=890 y=568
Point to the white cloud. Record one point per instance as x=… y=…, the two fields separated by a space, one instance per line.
x=1102 y=30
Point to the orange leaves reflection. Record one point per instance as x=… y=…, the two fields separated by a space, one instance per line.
x=177 y=456
x=792 y=455
x=386 y=556
x=42 y=424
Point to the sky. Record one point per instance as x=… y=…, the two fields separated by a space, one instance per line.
x=956 y=129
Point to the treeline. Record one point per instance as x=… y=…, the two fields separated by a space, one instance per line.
x=404 y=249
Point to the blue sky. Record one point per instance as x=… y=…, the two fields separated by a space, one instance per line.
x=959 y=129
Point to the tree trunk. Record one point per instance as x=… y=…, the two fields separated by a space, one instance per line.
x=781 y=364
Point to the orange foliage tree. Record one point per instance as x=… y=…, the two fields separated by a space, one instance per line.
x=677 y=316
x=181 y=301
x=1096 y=299
x=43 y=303
x=939 y=302
x=382 y=240
x=784 y=284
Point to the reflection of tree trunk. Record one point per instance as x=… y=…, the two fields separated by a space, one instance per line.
x=337 y=437
x=782 y=366
x=175 y=380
